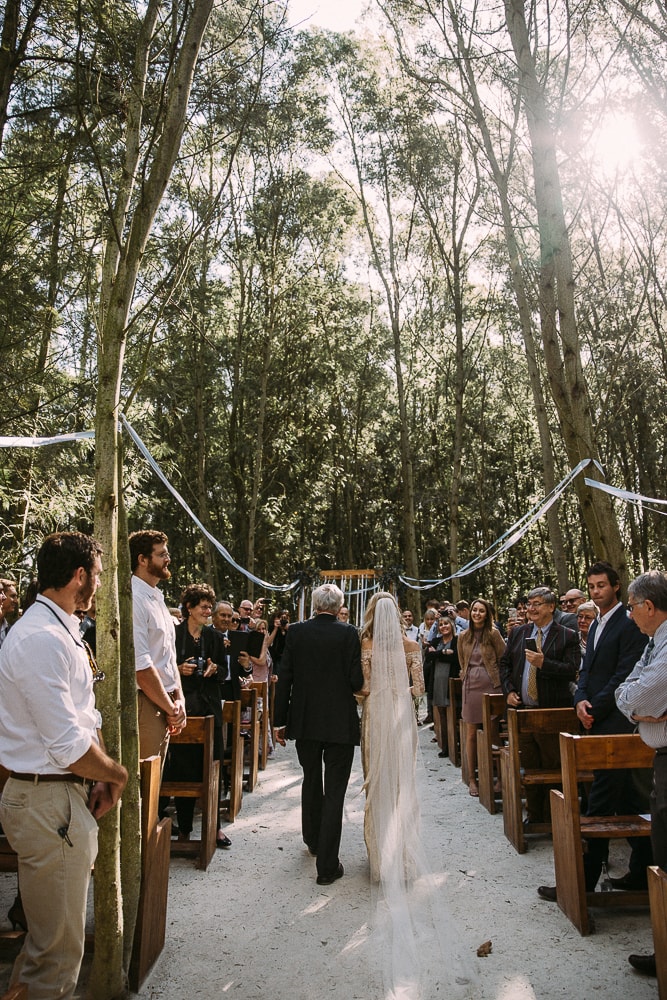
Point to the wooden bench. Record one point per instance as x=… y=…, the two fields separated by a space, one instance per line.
x=514 y=777
x=453 y=717
x=591 y=753
x=233 y=759
x=488 y=737
x=149 y=932
x=657 y=891
x=199 y=730
x=251 y=728
x=262 y=689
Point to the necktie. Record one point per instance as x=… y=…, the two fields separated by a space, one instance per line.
x=532 y=670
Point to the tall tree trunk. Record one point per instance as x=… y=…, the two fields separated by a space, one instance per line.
x=122 y=260
x=557 y=304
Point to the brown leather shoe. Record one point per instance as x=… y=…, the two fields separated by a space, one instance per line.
x=547 y=892
x=643 y=963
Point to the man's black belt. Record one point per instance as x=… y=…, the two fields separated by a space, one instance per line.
x=661 y=750
x=37 y=778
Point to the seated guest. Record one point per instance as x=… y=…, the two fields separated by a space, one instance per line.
x=537 y=668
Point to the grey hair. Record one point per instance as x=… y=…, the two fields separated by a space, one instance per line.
x=547 y=595
x=328 y=598
x=588 y=606
x=651 y=586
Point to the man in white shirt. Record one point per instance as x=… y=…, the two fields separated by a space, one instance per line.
x=61 y=780
x=411 y=630
x=642 y=698
x=160 y=695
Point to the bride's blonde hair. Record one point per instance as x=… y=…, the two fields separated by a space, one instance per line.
x=369 y=615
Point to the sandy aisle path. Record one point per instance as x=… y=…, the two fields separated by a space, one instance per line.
x=257 y=925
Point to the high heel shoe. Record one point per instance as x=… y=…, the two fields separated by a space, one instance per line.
x=16 y=916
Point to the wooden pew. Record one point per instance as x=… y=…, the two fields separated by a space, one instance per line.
x=262 y=689
x=149 y=932
x=657 y=892
x=251 y=749
x=514 y=777
x=453 y=716
x=233 y=760
x=488 y=766
x=199 y=730
x=589 y=753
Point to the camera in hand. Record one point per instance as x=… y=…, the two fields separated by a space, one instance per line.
x=284 y=621
x=200 y=662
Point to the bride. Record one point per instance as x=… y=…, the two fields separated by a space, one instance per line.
x=416 y=935
x=392 y=667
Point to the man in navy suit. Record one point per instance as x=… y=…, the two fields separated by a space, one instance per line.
x=315 y=705
x=613 y=646
x=538 y=675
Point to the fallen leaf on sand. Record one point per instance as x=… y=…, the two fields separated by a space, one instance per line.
x=485 y=949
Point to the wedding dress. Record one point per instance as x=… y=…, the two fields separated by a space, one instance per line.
x=412 y=924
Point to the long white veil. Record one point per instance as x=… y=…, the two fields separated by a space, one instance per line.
x=421 y=954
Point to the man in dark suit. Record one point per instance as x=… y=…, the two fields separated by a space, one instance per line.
x=539 y=663
x=613 y=646
x=315 y=705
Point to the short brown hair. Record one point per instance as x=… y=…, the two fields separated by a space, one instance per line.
x=142 y=543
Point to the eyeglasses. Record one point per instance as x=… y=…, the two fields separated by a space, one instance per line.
x=534 y=605
x=237 y=620
x=567 y=601
x=631 y=607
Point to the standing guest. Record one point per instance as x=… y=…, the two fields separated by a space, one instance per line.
x=233 y=675
x=9 y=607
x=423 y=633
x=201 y=656
x=572 y=600
x=61 y=780
x=537 y=668
x=411 y=630
x=479 y=648
x=160 y=696
x=586 y=615
x=2 y=602
x=277 y=635
x=613 y=646
x=445 y=665
x=642 y=698
x=344 y=614
x=315 y=705
x=246 y=620
x=462 y=617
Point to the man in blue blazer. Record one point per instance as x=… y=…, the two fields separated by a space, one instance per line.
x=315 y=705
x=613 y=646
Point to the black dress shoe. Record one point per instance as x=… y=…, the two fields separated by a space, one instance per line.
x=443 y=753
x=547 y=892
x=629 y=883
x=312 y=850
x=328 y=879
x=223 y=842
x=643 y=963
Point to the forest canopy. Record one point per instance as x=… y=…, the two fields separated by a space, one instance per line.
x=398 y=284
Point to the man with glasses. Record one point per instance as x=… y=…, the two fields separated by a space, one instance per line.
x=613 y=646
x=642 y=698
x=245 y=616
x=540 y=661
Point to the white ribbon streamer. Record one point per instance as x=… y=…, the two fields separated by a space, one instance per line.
x=282 y=588
x=38 y=442
x=510 y=537
x=638 y=499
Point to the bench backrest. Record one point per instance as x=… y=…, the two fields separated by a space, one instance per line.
x=599 y=753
